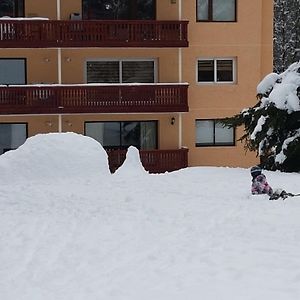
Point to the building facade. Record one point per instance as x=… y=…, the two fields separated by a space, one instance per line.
x=158 y=75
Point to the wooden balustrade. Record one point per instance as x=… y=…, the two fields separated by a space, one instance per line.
x=154 y=161
x=58 y=99
x=90 y=33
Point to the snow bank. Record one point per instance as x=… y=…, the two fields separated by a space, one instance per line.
x=192 y=234
x=54 y=156
x=69 y=231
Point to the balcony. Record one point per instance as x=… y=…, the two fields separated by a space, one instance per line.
x=93 y=98
x=154 y=161
x=85 y=33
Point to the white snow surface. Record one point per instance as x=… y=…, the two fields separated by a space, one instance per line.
x=71 y=231
x=23 y=18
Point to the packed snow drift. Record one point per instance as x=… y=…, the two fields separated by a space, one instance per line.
x=70 y=230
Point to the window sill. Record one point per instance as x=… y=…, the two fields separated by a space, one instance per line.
x=216 y=83
x=214 y=145
x=212 y=21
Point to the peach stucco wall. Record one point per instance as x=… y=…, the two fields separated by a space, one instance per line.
x=249 y=41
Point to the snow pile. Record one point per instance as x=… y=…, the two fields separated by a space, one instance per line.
x=132 y=164
x=283 y=89
x=54 y=156
x=191 y=234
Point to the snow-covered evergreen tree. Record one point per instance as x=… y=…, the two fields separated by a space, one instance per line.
x=272 y=126
x=286 y=33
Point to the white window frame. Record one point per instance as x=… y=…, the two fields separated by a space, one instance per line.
x=230 y=143
x=215 y=59
x=120 y=60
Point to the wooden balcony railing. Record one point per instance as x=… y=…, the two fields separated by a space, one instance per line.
x=115 y=33
x=154 y=161
x=89 y=98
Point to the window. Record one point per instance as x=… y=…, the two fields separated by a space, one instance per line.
x=121 y=135
x=213 y=133
x=121 y=71
x=12 y=8
x=118 y=10
x=216 y=70
x=12 y=71
x=12 y=135
x=216 y=10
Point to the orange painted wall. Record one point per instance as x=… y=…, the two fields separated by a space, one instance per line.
x=249 y=41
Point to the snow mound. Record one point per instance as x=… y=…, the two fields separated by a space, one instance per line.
x=54 y=156
x=132 y=164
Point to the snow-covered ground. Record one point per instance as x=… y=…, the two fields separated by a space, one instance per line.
x=70 y=230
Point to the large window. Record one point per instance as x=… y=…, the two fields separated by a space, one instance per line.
x=213 y=133
x=118 y=9
x=12 y=8
x=121 y=135
x=216 y=10
x=216 y=70
x=12 y=135
x=12 y=71
x=121 y=71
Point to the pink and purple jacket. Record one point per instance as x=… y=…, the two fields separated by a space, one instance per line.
x=261 y=186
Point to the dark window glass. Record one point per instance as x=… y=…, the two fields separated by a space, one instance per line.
x=213 y=133
x=103 y=72
x=224 y=70
x=223 y=135
x=12 y=8
x=223 y=10
x=120 y=71
x=138 y=71
x=206 y=70
x=119 y=135
x=12 y=71
x=12 y=136
x=130 y=134
x=216 y=10
x=216 y=70
x=202 y=9
x=118 y=9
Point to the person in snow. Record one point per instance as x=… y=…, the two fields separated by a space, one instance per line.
x=259 y=182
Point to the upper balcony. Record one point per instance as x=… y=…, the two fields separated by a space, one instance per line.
x=93 y=98
x=39 y=33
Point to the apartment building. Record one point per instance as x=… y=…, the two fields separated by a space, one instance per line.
x=154 y=74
